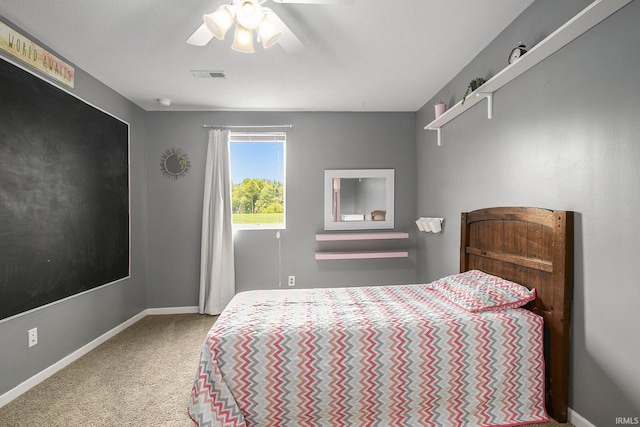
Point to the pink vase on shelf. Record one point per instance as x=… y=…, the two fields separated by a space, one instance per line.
x=440 y=108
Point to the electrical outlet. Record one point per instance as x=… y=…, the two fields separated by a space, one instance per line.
x=292 y=280
x=32 y=335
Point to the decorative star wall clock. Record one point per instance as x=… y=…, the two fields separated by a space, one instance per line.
x=174 y=163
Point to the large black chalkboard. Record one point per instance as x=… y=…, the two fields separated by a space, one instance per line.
x=64 y=194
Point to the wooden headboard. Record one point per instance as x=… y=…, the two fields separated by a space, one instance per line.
x=533 y=247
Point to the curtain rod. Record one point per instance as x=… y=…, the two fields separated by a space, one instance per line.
x=248 y=126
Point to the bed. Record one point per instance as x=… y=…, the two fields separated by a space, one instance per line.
x=457 y=351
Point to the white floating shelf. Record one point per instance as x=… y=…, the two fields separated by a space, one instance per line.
x=361 y=236
x=361 y=255
x=576 y=26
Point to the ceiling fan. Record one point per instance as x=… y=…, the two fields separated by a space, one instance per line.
x=250 y=15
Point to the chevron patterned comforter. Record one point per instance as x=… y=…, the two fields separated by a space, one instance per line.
x=404 y=355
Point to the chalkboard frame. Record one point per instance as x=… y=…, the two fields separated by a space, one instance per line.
x=65 y=223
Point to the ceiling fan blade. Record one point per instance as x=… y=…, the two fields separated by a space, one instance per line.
x=345 y=2
x=201 y=36
x=289 y=41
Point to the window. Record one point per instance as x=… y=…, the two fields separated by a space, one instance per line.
x=258 y=180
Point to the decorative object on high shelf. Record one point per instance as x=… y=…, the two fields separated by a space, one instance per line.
x=430 y=225
x=440 y=107
x=588 y=18
x=517 y=52
x=174 y=163
x=473 y=85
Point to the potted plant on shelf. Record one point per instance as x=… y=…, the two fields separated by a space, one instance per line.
x=473 y=85
x=440 y=107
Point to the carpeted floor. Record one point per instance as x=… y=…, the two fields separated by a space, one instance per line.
x=141 y=377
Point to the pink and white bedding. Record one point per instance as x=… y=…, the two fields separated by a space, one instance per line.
x=404 y=355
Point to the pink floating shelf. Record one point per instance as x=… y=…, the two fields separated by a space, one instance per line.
x=361 y=255
x=361 y=236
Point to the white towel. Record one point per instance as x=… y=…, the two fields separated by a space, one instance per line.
x=430 y=225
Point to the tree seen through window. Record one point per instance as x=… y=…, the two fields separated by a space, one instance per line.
x=257 y=181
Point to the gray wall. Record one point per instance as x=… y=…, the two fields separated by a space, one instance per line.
x=564 y=136
x=66 y=326
x=318 y=141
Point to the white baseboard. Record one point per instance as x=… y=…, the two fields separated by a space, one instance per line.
x=578 y=420
x=62 y=363
x=172 y=310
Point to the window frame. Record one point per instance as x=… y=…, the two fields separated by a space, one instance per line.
x=258 y=138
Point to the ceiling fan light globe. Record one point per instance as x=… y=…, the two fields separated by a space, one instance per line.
x=219 y=21
x=243 y=40
x=269 y=33
x=249 y=13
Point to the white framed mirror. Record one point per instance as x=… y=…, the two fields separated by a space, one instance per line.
x=358 y=199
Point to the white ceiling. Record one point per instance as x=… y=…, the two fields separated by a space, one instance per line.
x=371 y=55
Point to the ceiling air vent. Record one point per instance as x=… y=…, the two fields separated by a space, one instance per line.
x=208 y=74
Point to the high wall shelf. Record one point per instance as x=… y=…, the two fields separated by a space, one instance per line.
x=357 y=254
x=576 y=26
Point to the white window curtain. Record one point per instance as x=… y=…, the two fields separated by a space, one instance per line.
x=217 y=266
